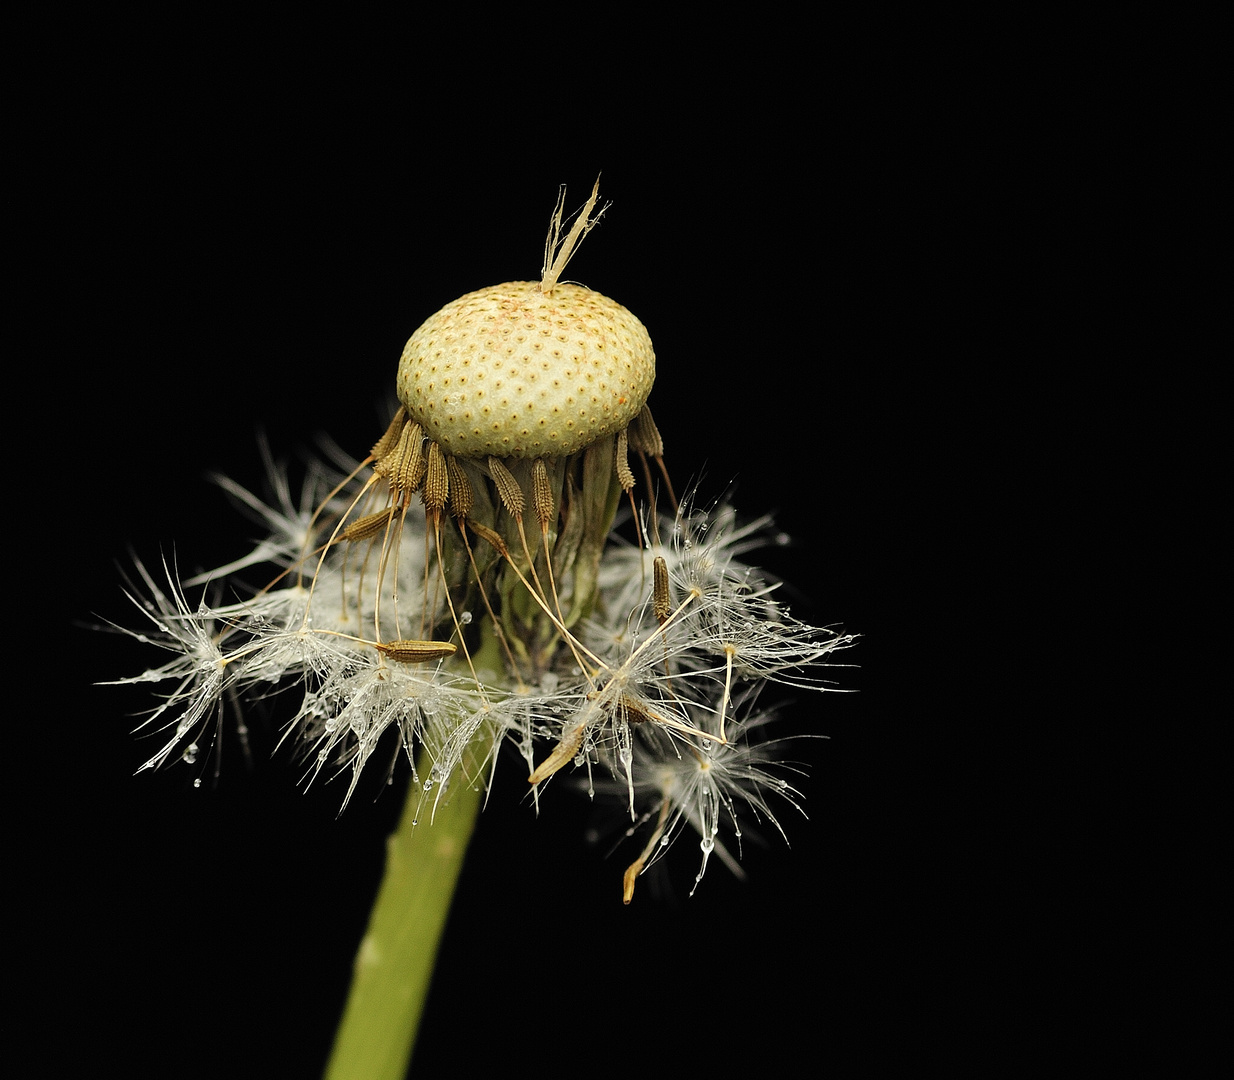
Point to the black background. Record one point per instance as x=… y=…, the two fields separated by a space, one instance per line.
x=842 y=272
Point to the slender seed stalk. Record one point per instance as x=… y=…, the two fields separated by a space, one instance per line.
x=394 y=964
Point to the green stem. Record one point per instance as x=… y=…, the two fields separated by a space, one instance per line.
x=394 y=963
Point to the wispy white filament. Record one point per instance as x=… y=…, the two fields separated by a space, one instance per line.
x=669 y=711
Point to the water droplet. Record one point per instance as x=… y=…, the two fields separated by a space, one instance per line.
x=190 y=754
x=465 y=618
x=197 y=782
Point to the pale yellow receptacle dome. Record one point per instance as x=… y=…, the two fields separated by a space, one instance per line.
x=511 y=372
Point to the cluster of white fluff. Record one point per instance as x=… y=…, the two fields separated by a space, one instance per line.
x=660 y=711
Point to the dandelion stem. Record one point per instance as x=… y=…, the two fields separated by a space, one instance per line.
x=394 y=963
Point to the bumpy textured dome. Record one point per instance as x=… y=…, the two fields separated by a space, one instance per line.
x=510 y=372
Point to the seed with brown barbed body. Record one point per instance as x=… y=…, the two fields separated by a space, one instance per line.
x=507 y=487
x=570 y=744
x=541 y=493
x=363 y=528
x=645 y=436
x=383 y=446
x=493 y=538
x=436 y=480
x=659 y=589
x=624 y=476
x=410 y=651
x=462 y=499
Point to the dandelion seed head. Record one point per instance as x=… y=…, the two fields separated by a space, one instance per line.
x=460 y=589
